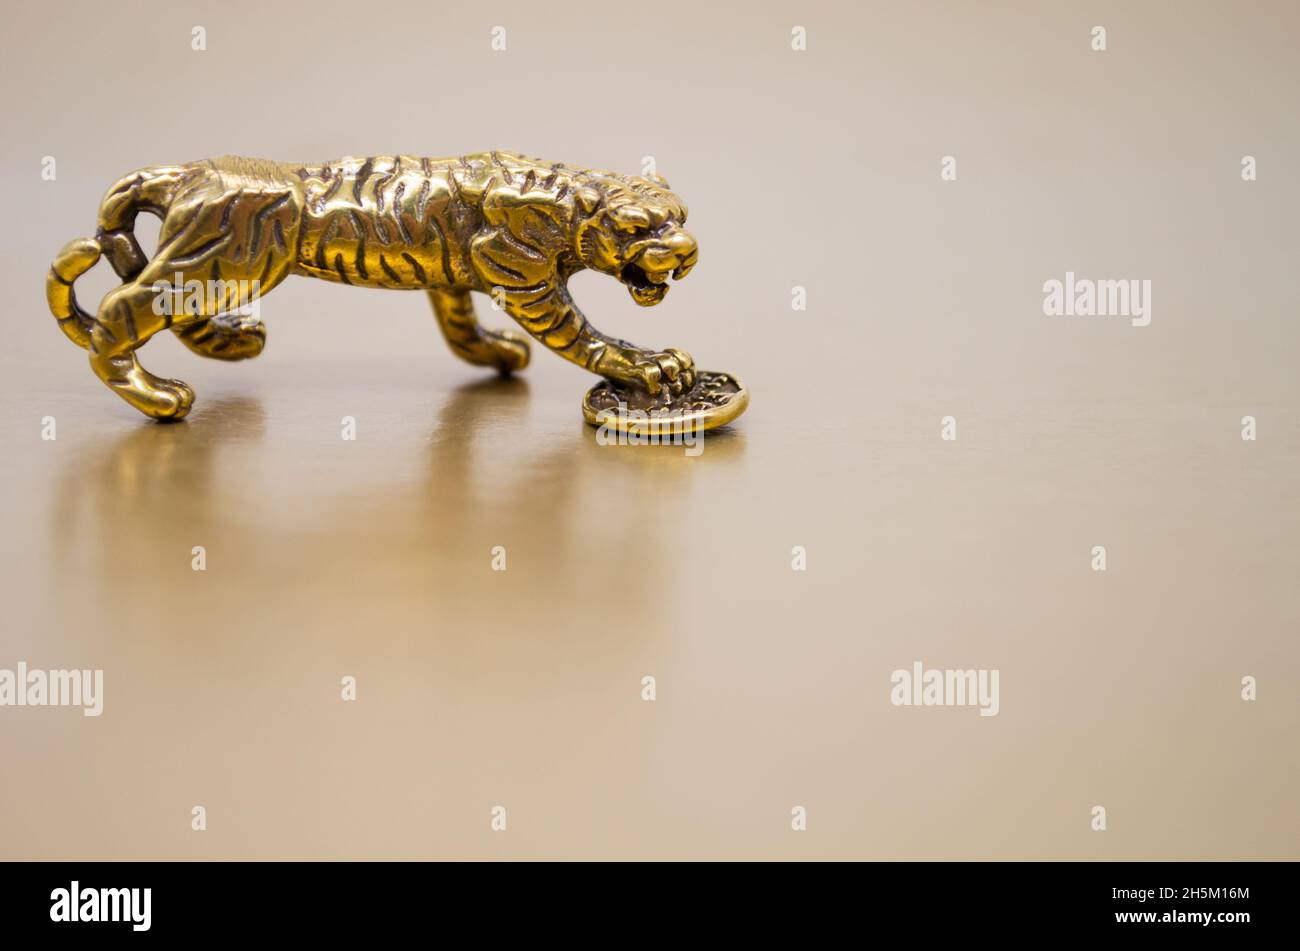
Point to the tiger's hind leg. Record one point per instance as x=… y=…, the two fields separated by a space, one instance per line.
x=472 y=342
x=134 y=312
x=239 y=244
x=127 y=319
x=231 y=247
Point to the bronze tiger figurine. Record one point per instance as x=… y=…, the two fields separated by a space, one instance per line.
x=497 y=222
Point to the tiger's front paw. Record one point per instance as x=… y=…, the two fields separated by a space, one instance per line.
x=671 y=369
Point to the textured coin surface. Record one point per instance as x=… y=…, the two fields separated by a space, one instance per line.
x=715 y=400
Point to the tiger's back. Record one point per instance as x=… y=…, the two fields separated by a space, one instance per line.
x=401 y=221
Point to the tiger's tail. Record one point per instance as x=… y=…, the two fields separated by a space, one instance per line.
x=76 y=258
x=150 y=189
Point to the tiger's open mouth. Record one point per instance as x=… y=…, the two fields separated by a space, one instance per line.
x=646 y=287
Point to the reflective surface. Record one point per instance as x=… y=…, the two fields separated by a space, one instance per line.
x=373 y=559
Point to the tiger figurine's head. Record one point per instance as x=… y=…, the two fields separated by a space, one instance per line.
x=632 y=228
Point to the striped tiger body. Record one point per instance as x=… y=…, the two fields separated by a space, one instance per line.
x=387 y=222
x=494 y=222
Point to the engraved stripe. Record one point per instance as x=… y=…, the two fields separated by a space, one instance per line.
x=415 y=266
x=360 y=181
x=519 y=247
x=436 y=228
x=198 y=209
x=323 y=241
x=259 y=221
x=399 y=212
x=361 y=259
x=358 y=225
x=266 y=274
x=421 y=200
x=381 y=184
x=501 y=267
x=393 y=276
x=544 y=287
x=202 y=253
x=226 y=212
x=568 y=323
x=335 y=184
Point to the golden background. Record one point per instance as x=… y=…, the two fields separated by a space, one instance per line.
x=820 y=169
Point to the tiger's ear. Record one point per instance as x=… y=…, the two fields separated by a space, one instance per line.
x=588 y=199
